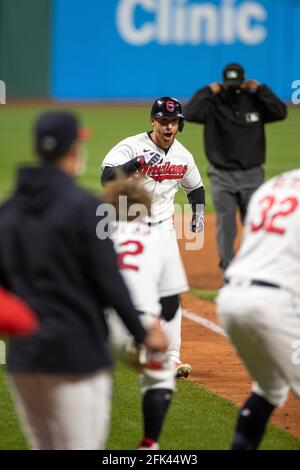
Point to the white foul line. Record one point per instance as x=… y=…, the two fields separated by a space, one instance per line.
x=202 y=321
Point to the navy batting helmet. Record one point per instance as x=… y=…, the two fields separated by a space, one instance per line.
x=167 y=106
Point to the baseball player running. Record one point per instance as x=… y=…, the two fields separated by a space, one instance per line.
x=260 y=303
x=155 y=278
x=165 y=165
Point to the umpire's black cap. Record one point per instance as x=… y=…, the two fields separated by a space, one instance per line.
x=233 y=75
x=55 y=132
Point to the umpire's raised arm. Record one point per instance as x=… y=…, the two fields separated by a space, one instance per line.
x=196 y=110
x=272 y=108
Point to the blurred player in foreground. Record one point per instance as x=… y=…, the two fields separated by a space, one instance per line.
x=165 y=165
x=155 y=278
x=260 y=303
x=51 y=257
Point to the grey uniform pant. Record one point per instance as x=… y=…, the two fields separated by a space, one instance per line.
x=231 y=190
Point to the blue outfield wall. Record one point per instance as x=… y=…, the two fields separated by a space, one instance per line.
x=141 y=49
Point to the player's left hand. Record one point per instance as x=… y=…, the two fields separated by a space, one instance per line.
x=197 y=222
x=149 y=158
x=250 y=85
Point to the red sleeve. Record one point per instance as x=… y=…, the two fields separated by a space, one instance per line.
x=16 y=318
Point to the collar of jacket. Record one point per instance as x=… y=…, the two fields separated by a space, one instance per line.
x=37 y=186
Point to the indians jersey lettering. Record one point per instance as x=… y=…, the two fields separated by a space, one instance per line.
x=151 y=268
x=270 y=249
x=164 y=172
x=177 y=168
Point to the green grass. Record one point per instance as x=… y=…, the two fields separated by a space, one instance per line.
x=10 y=434
x=197 y=419
x=111 y=124
x=205 y=294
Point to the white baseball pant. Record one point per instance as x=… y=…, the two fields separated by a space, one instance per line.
x=173 y=327
x=64 y=412
x=264 y=325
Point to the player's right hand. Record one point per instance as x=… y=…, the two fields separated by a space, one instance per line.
x=216 y=87
x=197 y=222
x=156 y=340
x=149 y=158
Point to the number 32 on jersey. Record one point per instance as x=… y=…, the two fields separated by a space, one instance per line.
x=273 y=212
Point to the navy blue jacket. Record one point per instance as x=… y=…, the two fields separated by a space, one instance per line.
x=234 y=122
x=51 y=257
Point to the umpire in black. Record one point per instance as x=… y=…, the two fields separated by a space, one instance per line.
x=51 y=257
x=234 y=114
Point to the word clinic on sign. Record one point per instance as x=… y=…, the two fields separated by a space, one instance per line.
x=180 y=22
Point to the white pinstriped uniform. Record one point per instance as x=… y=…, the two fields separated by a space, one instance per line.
x=177 y=169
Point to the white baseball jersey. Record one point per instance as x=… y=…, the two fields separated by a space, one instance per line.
x=270 y=249
x=162 y=181
x=150 y=266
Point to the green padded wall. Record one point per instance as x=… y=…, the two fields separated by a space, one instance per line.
x=25 y=47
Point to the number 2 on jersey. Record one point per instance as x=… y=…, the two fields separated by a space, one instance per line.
x=135 y=248
x=272 y=211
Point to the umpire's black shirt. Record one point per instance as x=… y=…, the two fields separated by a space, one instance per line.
x=51 y=257
x=234 y=124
